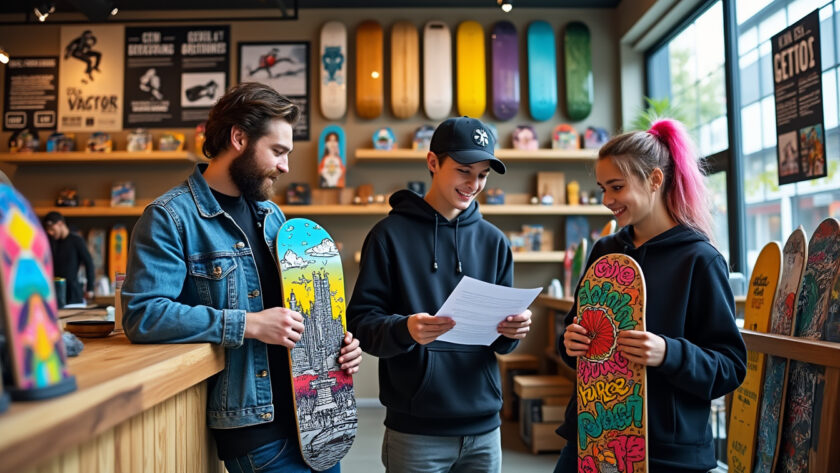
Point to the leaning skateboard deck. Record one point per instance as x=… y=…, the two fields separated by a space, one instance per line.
x=471 y=67
x=504 y=53
x=579 y=261
x=96 y=247
x=332 y=160
x=117 y=252
x=578 y=66
x=37 y=358
x=405 y=69
x=794 y=256
x=313 y=284
x=608 y=229
x=744 y=411
x=803 y=404
x=542 y=71
x=333 y=70
x=611 y=391
x=437 y=70
x=369 y=70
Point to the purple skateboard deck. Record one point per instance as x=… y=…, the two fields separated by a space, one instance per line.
x=504 y=50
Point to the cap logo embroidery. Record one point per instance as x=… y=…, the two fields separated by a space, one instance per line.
x=480 y=137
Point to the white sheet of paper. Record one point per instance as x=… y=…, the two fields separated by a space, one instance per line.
x=477 y=308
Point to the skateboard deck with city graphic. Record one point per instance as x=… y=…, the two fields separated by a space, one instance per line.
x=745 y=402
x=794 y=257
x=117 y=251
x=471 y=69
x=369 y=70
x=542 y=71
x=504 y=54
x=312 y=281
x=37 y=357
x=803 y=403
x=405 y=69
x=333 y=70
x=578 y=66
x=96 y=247
x=611 y=298
x=437 y=70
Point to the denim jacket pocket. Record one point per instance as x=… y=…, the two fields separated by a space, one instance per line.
x=214 y=278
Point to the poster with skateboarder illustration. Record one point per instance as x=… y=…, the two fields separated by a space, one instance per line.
x=312 y=280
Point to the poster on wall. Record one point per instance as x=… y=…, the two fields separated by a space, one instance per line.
x=174 y=75
x=30 y=94
x=283 y=66
x=90 y=79
x=797 y=84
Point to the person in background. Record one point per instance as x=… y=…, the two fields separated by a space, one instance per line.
x=69 y=252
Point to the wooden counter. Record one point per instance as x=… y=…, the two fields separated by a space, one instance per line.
x=137 y=408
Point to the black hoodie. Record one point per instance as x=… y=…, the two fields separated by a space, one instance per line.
x=411 y=261
x=689 y=303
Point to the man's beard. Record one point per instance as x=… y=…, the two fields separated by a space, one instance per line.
x=251 y=182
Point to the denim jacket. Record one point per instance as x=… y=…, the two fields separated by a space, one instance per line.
x=191 y=278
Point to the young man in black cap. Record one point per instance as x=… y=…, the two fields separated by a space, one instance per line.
x=69 y=251
x=442 y=399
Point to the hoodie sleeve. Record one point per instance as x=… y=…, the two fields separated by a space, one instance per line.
x=380 y=333
x=504 y=344
x=711 y=360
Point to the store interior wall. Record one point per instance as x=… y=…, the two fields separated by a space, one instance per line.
x=40 y=184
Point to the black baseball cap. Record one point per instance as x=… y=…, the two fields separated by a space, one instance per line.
x=467 y=141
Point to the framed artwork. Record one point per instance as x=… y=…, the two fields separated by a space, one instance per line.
x=285 y=67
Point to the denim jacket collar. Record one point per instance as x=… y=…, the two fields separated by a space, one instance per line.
x=206 y=203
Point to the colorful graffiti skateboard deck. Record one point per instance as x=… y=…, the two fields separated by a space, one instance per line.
x=405 y=69
x=803 y=403
x=471 y=69
x=794 y=256
x=333 y=70
x=37 y=358
x=611 y=298
x=744 y=411
x=96 y=247
x=117 y=251
x=313 y=284
x=578 y=66
x=504 y=54
x=542 y=71
x=332 y=160
x=369 y=70
x=437 y=70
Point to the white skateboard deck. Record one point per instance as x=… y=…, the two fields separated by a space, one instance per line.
x=437 y=70
x=333 y=59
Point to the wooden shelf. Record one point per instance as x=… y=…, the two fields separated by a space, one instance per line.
x=562 y=305
x=114 y=157
x=518 y=257
x=810 y=351
x=404 y=154
x=95 y=211
x=383 y=209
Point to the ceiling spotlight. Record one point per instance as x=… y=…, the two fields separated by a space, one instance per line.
x=4 y=56
x=43 y=11
x=506 y=5
x=114 y=11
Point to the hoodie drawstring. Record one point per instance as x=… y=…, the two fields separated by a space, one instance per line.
x=434 y=245
x=457 y=252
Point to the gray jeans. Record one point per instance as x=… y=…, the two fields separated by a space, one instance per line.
x=409 y=453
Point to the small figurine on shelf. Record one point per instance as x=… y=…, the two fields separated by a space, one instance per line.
x=364 y=194
x=61 y=142
x=100 y=142
x=525 y=137
x=565 y=137
x=379 y=198
x=122 y=194
x=418 y=187
x=298 y=193
x=595 y=137
x=384 y=139
x=573 y=193
x=494 y=196
x=171 y=141
x=199 y=138
x=24 y=141
x=422 y=138
x=67 y=197
x=139 y=140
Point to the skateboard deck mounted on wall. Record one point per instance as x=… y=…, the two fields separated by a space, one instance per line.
x=542 y=71
x=117 y=251
x=313 y=284
x=803 y=403
x=437 y=70
x=333 y=70
x=578 y=66
x=611 y=298
x=37 y=358
x=332 y=160
x=405 y=69
x=744 y=411
x=794 y=257
x=369 y=70
x=504 y=53
x=471 y=75
x=97 y=248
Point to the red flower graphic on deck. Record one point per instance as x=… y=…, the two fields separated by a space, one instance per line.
x=601 y=332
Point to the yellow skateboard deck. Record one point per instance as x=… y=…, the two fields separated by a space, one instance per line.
x=743 y=425
x=472 y=80
x=369 y=70
x=405 y=69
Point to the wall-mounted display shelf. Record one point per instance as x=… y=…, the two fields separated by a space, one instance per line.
x=518 y=256
x=383 y=209
x=404 y=154
x=114 y=157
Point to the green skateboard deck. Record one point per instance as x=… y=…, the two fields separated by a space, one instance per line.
x=578 y=65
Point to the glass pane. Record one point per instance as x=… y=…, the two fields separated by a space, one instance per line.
x=717 y=188
x=827 y=53
x=768 y=122
x=799 y=8
x=745 y=9
x=751 y=135
x=747 y=41
x=830 y=98
x=771 y=25
x=750 y=91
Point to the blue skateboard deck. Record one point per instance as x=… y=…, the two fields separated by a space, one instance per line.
x=332 y=160
x=542 y=71
x=504 y=50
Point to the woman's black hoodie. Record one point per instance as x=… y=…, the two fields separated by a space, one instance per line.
x=411 y=261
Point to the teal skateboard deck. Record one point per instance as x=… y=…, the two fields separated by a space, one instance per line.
x=312 y=281
x=504 y=53
x=542 y=70
x=578 y=66
x=332 y=157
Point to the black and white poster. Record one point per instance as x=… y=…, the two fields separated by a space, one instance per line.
x=797 y=80
x=90 y=78
x=31 y=93
x=174 y=75
x=285 y=67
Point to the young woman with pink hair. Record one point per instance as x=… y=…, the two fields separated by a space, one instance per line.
x=693 y=351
